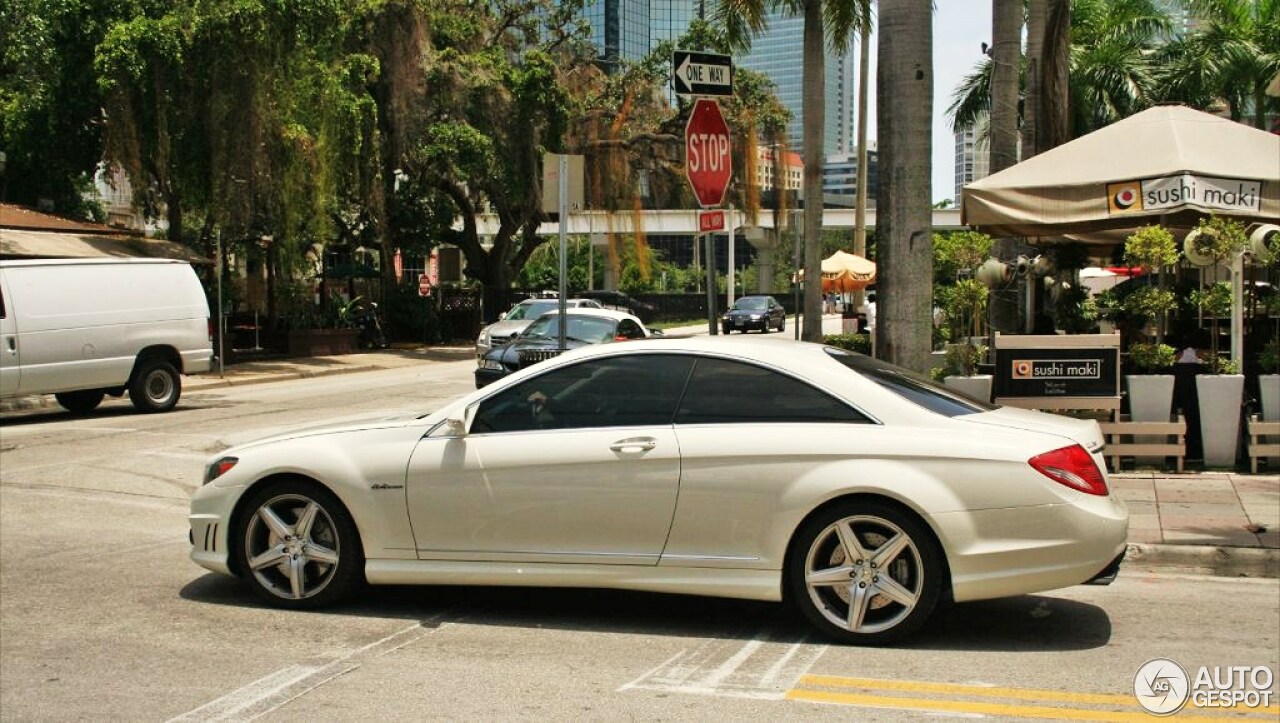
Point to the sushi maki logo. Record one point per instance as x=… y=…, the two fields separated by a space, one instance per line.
x=1125 y=196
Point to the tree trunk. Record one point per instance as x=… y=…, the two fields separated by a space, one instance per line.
x=1032 y=102
x=860 y=205
x=1055 y=92
x=904 y=114
x=813 y=105
x=1006 y=39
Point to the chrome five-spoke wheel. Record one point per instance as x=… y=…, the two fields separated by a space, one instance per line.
x=295 y=546
x=865 y=573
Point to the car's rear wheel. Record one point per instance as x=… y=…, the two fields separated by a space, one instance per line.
x=298 y=546
x=156 y=387
x=81 y=402
x=866 y=573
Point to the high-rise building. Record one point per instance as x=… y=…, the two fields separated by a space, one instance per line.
x=778 y=53
x=620 y=29
x=840 y=178
x=973 y=155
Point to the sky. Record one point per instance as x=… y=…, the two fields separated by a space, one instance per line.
x=959 y=29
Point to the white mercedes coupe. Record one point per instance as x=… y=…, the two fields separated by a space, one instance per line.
x=752 y=468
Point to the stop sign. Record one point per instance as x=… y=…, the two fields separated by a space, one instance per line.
x=707 y=159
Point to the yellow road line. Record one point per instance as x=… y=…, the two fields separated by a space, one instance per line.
x=963 y=706
x=911 y=686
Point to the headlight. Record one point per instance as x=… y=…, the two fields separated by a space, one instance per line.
x=219 y=467
x=492 y=365
x=757 y=317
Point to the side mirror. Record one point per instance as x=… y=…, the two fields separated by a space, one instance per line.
x=455 y=427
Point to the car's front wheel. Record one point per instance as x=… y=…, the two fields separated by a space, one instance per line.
x=298 y=546
x=866 y=573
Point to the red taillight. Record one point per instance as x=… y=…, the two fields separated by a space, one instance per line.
x=1073 y=467
x=619 y=337
x=211 y=330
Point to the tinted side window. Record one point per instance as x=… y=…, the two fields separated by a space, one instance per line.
x=722 y=391
x=911 y=386
x=636 y=390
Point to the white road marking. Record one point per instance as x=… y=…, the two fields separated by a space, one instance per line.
x=759 y=668
x=177 y=455
x=273 y=691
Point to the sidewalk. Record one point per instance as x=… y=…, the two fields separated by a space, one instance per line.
x=1217 y=523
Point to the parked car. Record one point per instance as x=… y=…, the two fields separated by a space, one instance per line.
x=737 y=467
x=518 y=318
x=617 y=300
x=754 y=312
x=541 y=340
x=82 y=329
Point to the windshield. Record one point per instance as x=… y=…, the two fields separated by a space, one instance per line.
x=911 y=386
x=530 y=309
x=751 y=303
x=590 y=329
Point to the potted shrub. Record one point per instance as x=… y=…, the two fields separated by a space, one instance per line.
x=1220 y=392
x=327 y=333
x=960 y=368
x=1150 y=386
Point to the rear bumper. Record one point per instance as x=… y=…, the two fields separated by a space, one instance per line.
x=1108 y=574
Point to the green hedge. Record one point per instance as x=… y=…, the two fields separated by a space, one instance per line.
x=860 y=343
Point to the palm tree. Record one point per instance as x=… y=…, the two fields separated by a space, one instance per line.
x=1113 y=47
x=1229 y=58
x=827 y=23
x=904 y=113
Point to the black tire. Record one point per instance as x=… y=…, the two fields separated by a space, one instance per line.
x=897 y=579
x=782 y=324
x=156 y=387
x=329 y=555
x=727 y=331
x=81 y=402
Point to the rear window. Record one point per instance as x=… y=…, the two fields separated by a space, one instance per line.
x=911 y=386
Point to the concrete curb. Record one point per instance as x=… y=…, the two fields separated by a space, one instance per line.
x=1204 y=560
x=210 y=381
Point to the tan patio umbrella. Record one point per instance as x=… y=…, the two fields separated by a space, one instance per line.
x=843 y=272
x=1169 y=165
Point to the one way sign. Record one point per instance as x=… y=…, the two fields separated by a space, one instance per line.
x=701 y=73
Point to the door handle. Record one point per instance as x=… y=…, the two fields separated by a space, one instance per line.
x=634 y=445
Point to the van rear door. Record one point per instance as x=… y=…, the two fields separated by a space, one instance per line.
x=10 y=369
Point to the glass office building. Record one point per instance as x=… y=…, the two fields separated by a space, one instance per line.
x=779 y=54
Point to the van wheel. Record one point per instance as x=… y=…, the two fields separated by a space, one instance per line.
x=156 y=387
x=81 y=402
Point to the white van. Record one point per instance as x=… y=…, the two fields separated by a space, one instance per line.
x=84 y=328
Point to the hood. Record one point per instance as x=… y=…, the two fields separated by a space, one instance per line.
x=382 y=420
x=507 y=328
x=1084 y=431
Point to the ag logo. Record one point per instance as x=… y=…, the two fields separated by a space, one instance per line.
x=1124 y=197
x=1161 y=686
x=1022 y=369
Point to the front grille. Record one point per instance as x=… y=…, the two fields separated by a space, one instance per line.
x=533 y=356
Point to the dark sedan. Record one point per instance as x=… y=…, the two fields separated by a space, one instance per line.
x=754 y=312
x=541 y=340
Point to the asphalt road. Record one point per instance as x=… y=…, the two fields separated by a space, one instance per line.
x=103 y=617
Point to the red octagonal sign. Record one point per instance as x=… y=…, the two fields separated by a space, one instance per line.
x=708 y=161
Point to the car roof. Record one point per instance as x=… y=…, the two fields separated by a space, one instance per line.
x=591 y=311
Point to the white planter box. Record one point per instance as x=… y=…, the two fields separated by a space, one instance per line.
x=1269 y=390
x=1150 y=397
x=1150 y=400
x=977 y=386
x=1219 y=396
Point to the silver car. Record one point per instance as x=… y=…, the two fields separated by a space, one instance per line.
x=518 y=318
x=730 y=466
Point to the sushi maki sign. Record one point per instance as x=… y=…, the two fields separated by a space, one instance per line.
x=1078 y=366
x=1184 y=189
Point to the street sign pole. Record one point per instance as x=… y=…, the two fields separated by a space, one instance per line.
x=564 y=246
x=713 y=327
